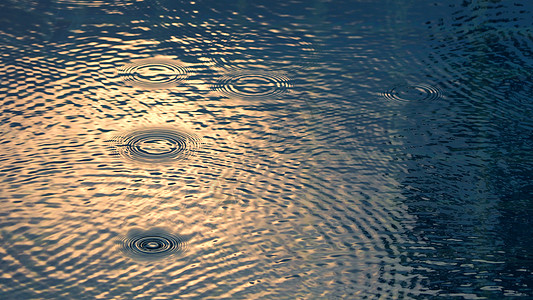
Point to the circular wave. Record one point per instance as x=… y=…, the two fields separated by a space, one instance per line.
x=253 y=85
x=417 y=92
x=153 y=73
x=155 y=145
x=151 y=244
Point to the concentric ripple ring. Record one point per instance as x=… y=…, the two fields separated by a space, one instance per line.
x=155 y=145
x=417 y=92
x=153 y=73
x=253 y=85
x=151 y=244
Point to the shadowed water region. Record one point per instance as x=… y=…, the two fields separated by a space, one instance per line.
x=323 y=149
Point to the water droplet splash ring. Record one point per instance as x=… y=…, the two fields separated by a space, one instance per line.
x=153 y=73
x=155 y=145
x=253 y=85
x=416 y=92
x=151 y=244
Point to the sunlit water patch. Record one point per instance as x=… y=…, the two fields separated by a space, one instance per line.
x=85 y=3
x=153 y=73
x=232 y=42
x=272 y=49
x=151 y=244
x=155 y=145
x=107 y=7
x=253 y=85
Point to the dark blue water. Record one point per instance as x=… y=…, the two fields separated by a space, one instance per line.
x=157 y=149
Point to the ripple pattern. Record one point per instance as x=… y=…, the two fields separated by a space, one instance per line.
x=253 y=85
x=314 y=192
x=153 y=73
x=151 y=244
x=416 y=92
x=155 y=145
x=264 y=50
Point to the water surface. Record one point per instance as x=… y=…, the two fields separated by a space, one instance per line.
x=158 y=149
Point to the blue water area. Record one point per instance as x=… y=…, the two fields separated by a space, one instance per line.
x=321 y=149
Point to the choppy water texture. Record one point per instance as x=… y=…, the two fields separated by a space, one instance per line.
x=158 y=149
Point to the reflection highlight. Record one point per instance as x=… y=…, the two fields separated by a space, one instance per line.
x=264 y=50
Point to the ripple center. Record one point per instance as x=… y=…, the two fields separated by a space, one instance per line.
x=253 y=85
x=151 y=244
x=153 y=73
x=416 y=92
x=155 y=145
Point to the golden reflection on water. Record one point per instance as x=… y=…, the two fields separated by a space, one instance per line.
x=259 y=202
x=245 y=209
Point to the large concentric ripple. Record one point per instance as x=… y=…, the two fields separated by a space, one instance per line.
x=415 y=92
x=153 y=73
x=151 y=244
x=253 y=85
x=155 y=145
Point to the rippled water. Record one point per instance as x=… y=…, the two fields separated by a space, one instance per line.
x=157 y=149
x=155 y=145
x=253 y=86
x=155 y=73
x=151 y=244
